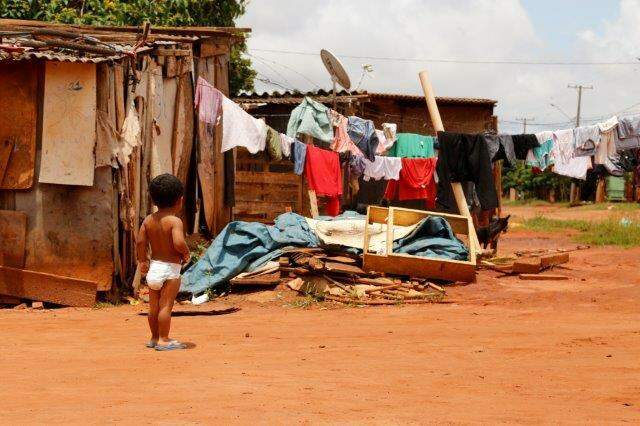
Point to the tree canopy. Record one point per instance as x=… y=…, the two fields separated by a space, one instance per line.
x=221 y=13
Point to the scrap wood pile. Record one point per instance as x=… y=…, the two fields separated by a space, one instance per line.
x=530 y=264
x=337 y=276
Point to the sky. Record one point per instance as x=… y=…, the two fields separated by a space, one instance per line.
x=420 y=31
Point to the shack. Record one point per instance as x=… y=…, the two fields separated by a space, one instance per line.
x=90 y=114
x=265 y=188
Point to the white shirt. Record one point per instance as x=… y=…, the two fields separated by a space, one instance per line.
x=382 y=168
x=241 y=129
x=609 y=124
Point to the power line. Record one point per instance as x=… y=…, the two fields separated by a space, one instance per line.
x=284 y=66
x=460 y=61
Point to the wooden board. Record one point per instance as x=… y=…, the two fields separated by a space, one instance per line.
x=19 y=117
x=182 y=142
x=161 y=159
x=69 y=229
x=543 y=277
x=68 y=124
x=207 y=152
x=13 y=231
x=47 y=287
x=414 y=266
x=222 y=161
x=6 y=148
x=533 y=265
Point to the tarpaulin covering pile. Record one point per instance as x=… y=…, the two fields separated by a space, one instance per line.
x=244 y=246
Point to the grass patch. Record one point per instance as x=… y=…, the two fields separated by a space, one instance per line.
x=532 y=202
x=104 y=305
x=306 y=301
x=624 y=207
x=601 y=233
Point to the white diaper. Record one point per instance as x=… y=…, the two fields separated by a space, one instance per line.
x=160 y=271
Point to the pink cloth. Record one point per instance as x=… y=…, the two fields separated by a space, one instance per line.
x=208 y=101
x=341 y=140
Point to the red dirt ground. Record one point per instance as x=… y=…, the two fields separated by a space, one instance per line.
x=501 y=351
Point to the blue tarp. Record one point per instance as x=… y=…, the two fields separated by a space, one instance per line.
x=432 y=238
x=244 y=246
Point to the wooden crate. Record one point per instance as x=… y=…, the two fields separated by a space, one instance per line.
x=416 y=266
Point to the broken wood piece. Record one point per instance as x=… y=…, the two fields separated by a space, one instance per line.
x=388 y=287
x=536 y=264
x=266 y=279
x=45 y=287
x=340 y=259
x=295 y=284
x=375 y=281
x=339 y=284
x=376 y=301
x=436 y=287
x=542 y=277
x=316 y=263
x=343 y=268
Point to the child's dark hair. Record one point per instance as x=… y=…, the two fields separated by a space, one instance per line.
x=165 y=190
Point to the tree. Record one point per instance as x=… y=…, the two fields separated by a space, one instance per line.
x=220 y=13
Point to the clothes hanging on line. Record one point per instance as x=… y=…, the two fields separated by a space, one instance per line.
x=628 y=133
x=500 y=147
x=465 y=157
x=565 y=162
x=363 y=134
x=299 y=156
x=608 y=124
x=324 y=176
x=523 y=143
x=415 y=182
x=285 y=145
x=274 y=147
x=208 y=101
x=382 y=168
x=390 y=130
x=241 y=129
x=412 y=145
x=311 y=118
x=587 y=139
x=541 y=156
x=341 y=140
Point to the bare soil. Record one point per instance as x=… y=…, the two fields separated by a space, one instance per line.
x=499 y=351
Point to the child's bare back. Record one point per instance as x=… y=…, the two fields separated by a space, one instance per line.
x=163 y=231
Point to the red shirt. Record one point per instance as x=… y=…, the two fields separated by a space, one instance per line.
x=323 y=171
x=416 y=181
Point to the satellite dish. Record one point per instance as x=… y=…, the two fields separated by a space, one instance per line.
x=337 y=72
x=335 y=68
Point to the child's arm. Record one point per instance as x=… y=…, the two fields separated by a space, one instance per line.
x=179 y=244
x=142 y=245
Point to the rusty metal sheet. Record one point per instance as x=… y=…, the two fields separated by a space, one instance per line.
x=68 y=124
x=69 y=229
x=18 y=118
x=13 y=230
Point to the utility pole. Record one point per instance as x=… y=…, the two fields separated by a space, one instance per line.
x=579 y=88
x=525 y=120
x=574 y=194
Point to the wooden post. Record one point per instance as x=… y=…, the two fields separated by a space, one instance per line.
x=601 y=190
x=436 y=120
x=313 y=200
x=497 y=181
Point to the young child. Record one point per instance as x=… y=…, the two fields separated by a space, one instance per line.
x=164 y=232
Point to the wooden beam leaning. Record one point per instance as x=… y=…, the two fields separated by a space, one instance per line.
x=436 y=120
x=47 y=287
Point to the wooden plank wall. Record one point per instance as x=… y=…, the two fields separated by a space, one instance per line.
x=19 y=108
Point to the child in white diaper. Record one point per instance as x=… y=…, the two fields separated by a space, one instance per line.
x=163 y=231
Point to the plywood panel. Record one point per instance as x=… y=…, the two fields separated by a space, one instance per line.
x=13 y=230
x=69 y=229
x=68 y=124
x=18 y=118
x=47 y=287
x=164 y=90
x=183 y=128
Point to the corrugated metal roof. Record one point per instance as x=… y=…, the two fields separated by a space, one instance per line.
x=57 y=56
x=289 y=97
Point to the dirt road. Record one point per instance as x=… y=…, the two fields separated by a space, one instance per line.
x=501 y=351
